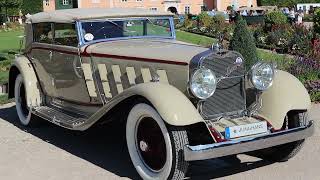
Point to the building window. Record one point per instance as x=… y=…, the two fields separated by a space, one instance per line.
x=154 y=9
x=139 y=0
x=124 y=0
x=47 y=3
x=65 y=2
x=187 y=9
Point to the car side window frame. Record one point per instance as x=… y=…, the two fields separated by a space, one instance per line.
x=35 y=40
x=76 y=33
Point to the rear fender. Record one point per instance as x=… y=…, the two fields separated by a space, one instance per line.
x=22 y=65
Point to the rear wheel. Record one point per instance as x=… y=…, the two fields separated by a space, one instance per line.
x=285 y=152
x=24 y=114
x=156 y=149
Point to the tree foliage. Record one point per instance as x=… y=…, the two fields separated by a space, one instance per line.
x=10 y=3
x=9 y=7
x=243 y=42
x=276 y=18
x=284 y=3
x=31 y=6
x=316 y=20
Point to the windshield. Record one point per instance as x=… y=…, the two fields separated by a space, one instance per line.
x=142 y=27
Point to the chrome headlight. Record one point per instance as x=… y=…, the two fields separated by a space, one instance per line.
x=203 y=83
x=262 y=75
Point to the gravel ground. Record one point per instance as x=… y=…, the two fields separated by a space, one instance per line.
x=52 y=153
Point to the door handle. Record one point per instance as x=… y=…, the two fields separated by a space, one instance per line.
x=77 y=69
x=50 y=55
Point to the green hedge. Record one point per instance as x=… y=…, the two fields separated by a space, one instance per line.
x=316 y=20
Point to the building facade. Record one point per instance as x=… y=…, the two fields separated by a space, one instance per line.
x=175 y=6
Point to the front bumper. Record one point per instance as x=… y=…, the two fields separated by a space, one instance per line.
x=203 y=152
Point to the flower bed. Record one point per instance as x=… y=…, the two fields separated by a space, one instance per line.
x=284 y=38
x=307 y=70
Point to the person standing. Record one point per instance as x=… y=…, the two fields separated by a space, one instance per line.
x=300 y=16
x=292 y=16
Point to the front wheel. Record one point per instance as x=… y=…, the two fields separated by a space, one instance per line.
x=284 y=152
x=156 y=150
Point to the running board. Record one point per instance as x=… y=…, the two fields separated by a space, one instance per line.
x=60 y=117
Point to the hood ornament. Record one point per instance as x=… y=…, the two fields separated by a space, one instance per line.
x=217 y=47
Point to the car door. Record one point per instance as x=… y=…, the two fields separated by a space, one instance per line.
x=66 y=70
x=41 y=55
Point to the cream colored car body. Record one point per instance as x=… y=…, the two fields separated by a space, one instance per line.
x=129 y=68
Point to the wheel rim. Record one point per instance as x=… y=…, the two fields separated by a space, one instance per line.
x=150 y=144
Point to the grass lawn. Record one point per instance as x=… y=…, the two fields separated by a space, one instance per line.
x=195 y=38
x=9 y=44
x=10 y=41
x=282 y=60
x=4 y=99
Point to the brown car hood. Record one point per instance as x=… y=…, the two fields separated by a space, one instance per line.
x=166 y=50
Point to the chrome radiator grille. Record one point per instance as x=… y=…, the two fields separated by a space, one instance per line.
x=229 y=98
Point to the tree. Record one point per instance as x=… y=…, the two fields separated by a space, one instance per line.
x=284 y=3
x=9 y=4
x=243 y=42
x=31 y=6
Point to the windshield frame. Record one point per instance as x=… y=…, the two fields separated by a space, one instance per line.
x=83 y=42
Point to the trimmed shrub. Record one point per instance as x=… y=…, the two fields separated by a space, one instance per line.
x=276 y=18
x=316 y=20
x=243 y=42
x=301 y=41
x=187 y=23
x=219 y=23
x=280 y=36
x=205 y=20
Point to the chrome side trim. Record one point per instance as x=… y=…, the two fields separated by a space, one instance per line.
x=209 y=151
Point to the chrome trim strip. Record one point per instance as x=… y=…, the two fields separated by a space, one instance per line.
x=209 y=151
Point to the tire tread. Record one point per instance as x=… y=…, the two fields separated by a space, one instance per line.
x=179 y=139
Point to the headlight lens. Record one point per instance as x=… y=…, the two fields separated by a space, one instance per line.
x=203 y=83
x=262 y=75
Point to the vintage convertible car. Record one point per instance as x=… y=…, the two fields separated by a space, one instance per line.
x=180 y=102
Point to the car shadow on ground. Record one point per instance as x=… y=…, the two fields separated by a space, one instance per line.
x=105 y=147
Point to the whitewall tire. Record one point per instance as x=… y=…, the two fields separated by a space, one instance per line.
x=20 y=95
x=156 y=149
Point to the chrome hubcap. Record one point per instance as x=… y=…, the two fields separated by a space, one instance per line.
x=143 y=146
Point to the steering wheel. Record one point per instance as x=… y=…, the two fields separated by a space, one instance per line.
x=101 y=29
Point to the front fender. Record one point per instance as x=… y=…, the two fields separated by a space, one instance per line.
x=173 y=106
x=21 y=65
x=287 y=93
